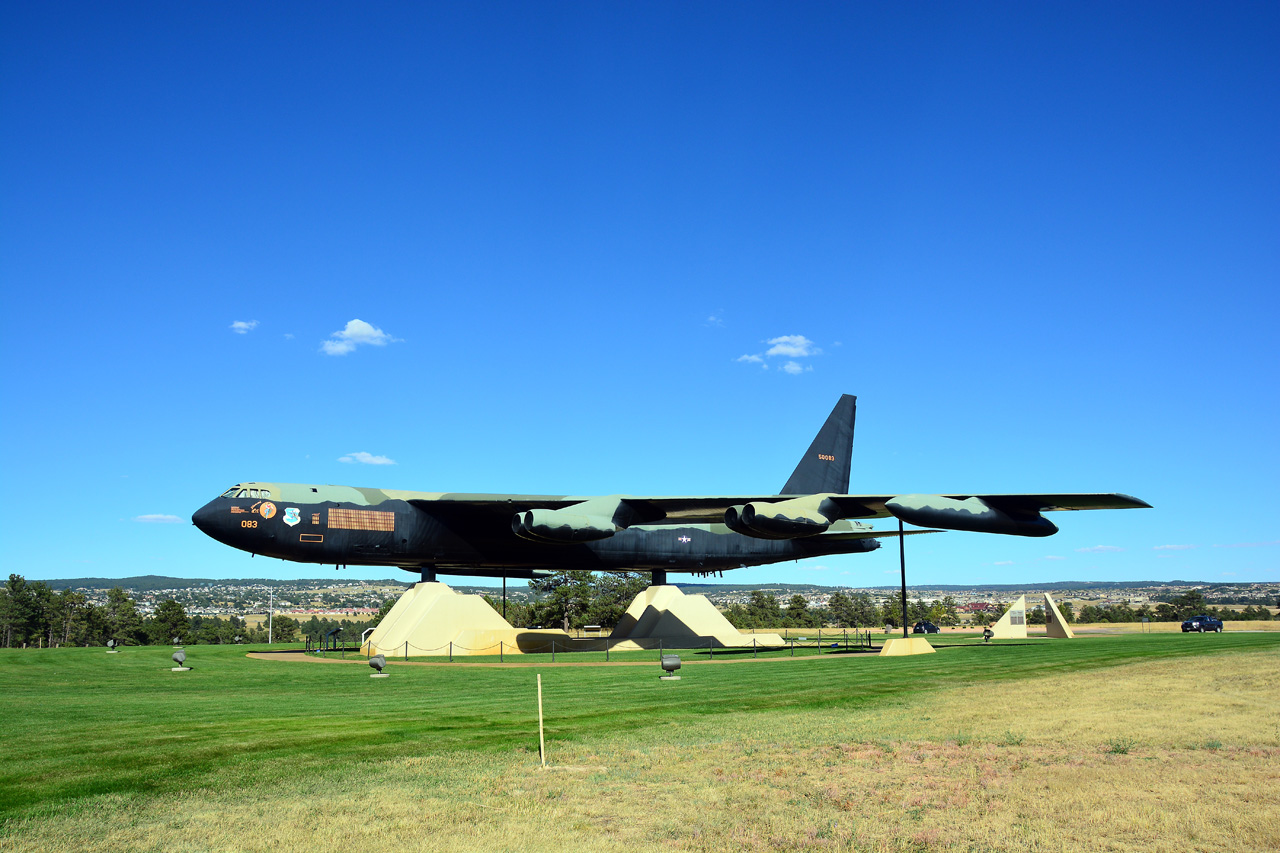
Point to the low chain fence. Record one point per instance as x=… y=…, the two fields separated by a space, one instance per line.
x=843 y=642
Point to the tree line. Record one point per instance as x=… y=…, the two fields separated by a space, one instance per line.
x=858 y=610
x=32 y=614
x=1179 y=608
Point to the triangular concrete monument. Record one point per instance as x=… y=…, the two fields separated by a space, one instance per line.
x=1013 y=624
x=666 y=612
x=1054 y=624
x=433 y=619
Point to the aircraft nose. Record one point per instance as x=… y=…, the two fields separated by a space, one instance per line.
x=203 y=519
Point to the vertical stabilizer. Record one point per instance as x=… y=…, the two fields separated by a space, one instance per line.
x=825 y=467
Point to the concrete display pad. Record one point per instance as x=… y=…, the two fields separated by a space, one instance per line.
x=1012 y=625
x=179 y=669
x=1054 y=625
x=906 y=646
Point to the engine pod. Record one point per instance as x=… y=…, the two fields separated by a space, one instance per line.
x=554 y=525
x=973 y=514
x=789 y=519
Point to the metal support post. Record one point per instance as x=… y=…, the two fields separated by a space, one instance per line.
x=902 y=559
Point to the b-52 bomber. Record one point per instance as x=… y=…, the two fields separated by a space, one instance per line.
x=519 y=536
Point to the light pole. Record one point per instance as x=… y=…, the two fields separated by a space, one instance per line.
x=902 y=559
x=271 y=612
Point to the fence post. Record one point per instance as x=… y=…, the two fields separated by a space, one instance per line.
x=553 y=651
x=711 y=649
x=793 y=645
x=451 y=651
x=753 y=648
x=606 y=649
x=406 y=650
x=501 y=658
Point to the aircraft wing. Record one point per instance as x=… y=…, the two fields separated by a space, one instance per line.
x=711 y=508
x=873 y=506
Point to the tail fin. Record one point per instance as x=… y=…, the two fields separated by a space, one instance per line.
x=825 y=467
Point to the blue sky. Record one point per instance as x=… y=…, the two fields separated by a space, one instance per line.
x=1038 y=241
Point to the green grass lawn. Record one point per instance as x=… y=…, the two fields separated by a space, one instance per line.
x=78 y=723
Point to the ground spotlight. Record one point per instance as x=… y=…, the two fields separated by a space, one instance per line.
x=670 y=663
x=378 y=662
x=180 y=658
x=111 y=646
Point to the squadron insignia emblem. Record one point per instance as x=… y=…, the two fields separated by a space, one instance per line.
x=291 y=516
x=685 y=539
x=267 y=510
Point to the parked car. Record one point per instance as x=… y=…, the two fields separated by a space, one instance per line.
x=924 y=628
x=1202 y=624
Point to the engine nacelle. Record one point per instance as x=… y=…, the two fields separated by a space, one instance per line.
x=973 y=514
x=791 y=519
x=556 y=525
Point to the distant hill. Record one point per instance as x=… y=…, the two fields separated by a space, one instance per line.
x=149 y=583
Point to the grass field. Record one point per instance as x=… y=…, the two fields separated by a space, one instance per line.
x=1132 y=742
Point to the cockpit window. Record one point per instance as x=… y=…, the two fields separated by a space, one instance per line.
x=239 y=492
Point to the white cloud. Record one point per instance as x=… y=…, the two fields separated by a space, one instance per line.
x=1098 y=549
x=1173 y=547
x=752 y=359
x=1003 y=563
x=158 y=519
x=1053 y=557
x=715 y=320
x=795 y=367
x=792 y=346
x=366 y=459
x=244 y=327
x=288 y=336
x=357 y=332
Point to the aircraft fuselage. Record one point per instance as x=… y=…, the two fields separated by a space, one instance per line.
x=341 y=525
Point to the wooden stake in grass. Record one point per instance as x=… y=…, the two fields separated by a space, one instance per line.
x=542 y=744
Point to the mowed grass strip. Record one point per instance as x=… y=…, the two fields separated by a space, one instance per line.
x=116 y=752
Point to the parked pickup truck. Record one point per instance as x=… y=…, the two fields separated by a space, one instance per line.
x=1202 y=624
